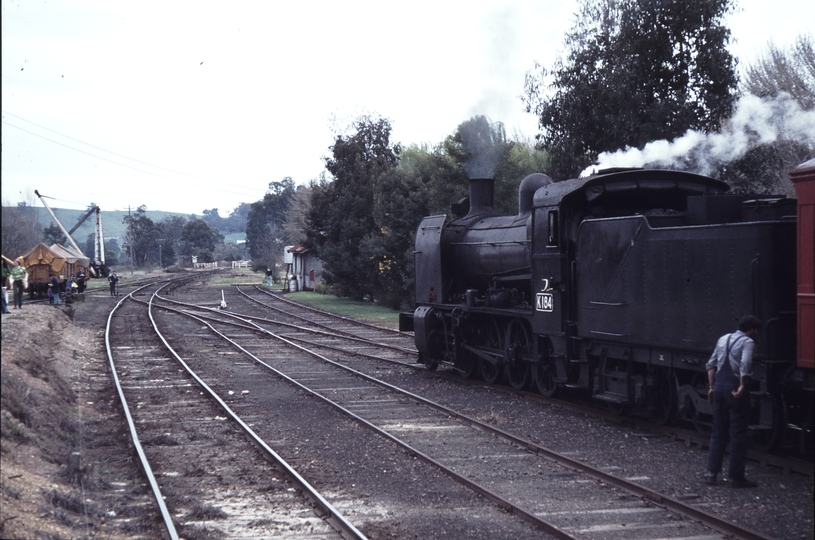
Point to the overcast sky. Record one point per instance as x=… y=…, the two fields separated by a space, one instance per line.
x=192 y=105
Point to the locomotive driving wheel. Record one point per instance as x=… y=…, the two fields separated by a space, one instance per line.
x=493 y=338
x=518 y=346
x=544 y=374
x=489 y=372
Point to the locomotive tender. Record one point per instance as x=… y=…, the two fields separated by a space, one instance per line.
x=618 y=284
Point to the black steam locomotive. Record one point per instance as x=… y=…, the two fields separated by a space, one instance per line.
x=617 y=284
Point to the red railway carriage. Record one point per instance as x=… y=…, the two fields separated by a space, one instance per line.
x=803 y=177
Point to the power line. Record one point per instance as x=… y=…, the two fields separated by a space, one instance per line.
x=119 y=155
x=93 y=146
x=82 y=151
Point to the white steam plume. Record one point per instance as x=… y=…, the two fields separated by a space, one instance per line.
x=756 y=121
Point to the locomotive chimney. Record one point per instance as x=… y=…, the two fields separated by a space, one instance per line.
x=481 y=196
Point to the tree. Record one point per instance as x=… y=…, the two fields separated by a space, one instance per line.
x=170 y=238
x=423 y=183
x=20 y=230
x=265 y=236
x=213 y=218
x=52 y=234
x=791 y=71
x=341 y=218
x=295 y=221
x=636 y=71
x=112 y=252
x=142 y=237
x=198 y=239
x=236 y=222
x=785 y=82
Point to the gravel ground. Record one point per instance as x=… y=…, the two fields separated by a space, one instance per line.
x=781 y=506
x=40 y=485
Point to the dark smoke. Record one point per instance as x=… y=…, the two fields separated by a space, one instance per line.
x=483 y=145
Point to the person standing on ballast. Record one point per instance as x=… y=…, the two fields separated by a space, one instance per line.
x=729 y=370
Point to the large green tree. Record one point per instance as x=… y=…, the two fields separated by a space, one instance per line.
x=52 y=234
x=265 y=236
x=170 y=244
x=198 y=239
x=635 y=71
x=341 y=218
x=423 y=183
x=141 y=241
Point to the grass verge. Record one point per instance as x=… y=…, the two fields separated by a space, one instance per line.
x=348 y=308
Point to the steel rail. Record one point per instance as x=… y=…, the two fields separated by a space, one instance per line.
x=657 y=498
x=321 y=311
x=786 y=463
x=148 y=471
x=246 y=323
x=335 y=518
x=329 y=332
x=500 y=501
x=250 y=319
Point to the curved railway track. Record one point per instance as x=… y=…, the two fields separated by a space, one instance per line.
x=467 y=449
x=187 y=446
x=381 y=335
x=277 y=362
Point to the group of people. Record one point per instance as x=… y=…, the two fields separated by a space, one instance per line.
x=75 y=284
x=15 y=279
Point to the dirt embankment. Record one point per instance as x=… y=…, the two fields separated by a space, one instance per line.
x=66 y=460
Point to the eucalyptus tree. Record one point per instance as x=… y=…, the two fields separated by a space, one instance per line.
x=634 y=71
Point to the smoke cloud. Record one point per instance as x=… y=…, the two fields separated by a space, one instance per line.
x=482 y=144
x=756 y=121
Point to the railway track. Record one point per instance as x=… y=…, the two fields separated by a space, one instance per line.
x=517 y=474
x=382 y=489
x=208 y=471
x=279 y=308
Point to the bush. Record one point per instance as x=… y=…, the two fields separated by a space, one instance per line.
x=320 y=288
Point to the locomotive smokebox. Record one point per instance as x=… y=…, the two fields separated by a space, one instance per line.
x=482 y=193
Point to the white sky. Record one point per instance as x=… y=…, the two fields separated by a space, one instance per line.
x=191 y=105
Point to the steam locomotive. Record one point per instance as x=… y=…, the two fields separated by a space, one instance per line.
x=618 y=285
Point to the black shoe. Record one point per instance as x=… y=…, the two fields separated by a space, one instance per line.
x=744 y=483
x=710 y=479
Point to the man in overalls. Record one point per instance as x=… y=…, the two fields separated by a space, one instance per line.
x=729 y=370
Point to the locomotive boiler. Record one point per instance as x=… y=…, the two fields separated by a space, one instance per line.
x=618 y=285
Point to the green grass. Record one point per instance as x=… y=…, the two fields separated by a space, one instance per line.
x=348 y=308
x=236 y=276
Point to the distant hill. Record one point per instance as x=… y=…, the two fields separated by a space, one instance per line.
x=112 y=221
